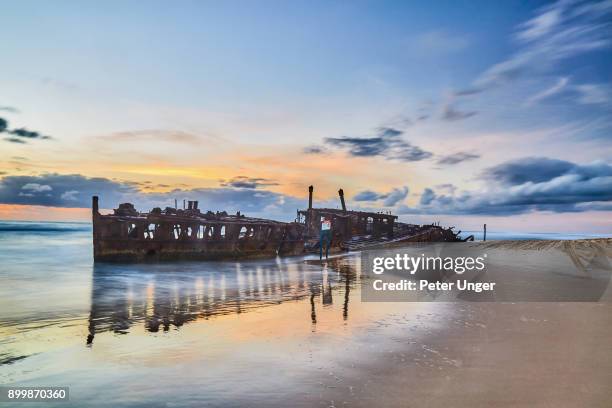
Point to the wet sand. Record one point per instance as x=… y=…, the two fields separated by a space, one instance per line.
x=502 y=354
x=488 y=354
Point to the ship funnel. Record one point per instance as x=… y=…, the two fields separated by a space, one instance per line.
x=341 y=194
x=94 y=205
x=310 y=189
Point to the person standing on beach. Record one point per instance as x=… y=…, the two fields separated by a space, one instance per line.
x=325 y=237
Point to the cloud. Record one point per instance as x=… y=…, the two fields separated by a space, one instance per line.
x=395 y=196
x=451 y=114
x=70 y=195
x=594 y=94
x=9 y=109
x=18 y=135
x=468 y=92
x=526 y=185
x=174 y=136
x=14 y=140
x=562 y=30
x=247 y=182
x=427 y=197
x=390 y=199
x=22 y=132
x=35 y=187
x=387 y=143
x=529 y=169
x=559 y=86
x=367 y=195
x=389 y=132
x=448 y=187
x=58 y=190
x=314 y=150
x=457 y=158
x=374 y=146
x=540 y=25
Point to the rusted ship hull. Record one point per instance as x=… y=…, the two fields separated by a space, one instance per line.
x=126 y=250
x=128 y=236
x=174 y=234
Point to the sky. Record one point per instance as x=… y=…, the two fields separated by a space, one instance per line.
x=496 y=112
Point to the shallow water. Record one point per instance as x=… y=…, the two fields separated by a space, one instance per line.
x=175 y=334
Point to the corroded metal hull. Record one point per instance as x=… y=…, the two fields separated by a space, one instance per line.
x=129 y=236
x=173 y=234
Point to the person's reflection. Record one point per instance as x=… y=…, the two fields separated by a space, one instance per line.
x=347 y=291
x=315 y=290
x=345 y=276
x=327 y=297
x=348 y=275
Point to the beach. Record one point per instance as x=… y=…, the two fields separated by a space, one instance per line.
x=293 y=331
x=486 y=354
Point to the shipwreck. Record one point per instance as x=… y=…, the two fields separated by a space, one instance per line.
x=128 y=235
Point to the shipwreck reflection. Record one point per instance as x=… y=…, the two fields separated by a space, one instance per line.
x=165 y=296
